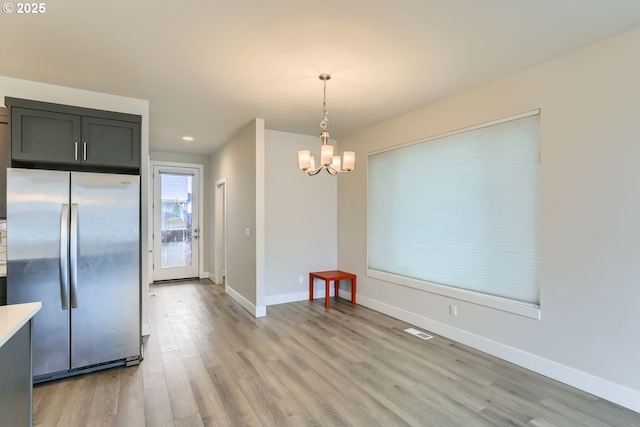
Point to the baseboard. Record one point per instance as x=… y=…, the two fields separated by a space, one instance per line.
x=616 y=393
x=303 y=296
x=205 y=275
x=259 y=311
x=146 y=329
x=212 y=277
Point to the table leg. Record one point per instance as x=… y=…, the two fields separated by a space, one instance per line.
x=336 y=285
x=353 y=290
x=327 y=285
x=310 y=287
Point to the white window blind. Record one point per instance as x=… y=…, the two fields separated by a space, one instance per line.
x=460 y=211
x=175 y=186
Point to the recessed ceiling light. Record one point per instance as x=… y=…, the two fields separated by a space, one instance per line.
x=187 y=138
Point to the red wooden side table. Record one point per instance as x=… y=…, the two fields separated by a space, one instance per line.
x=332 y=276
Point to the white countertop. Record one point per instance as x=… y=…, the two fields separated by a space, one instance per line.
x=3 y=270
x=13 y=317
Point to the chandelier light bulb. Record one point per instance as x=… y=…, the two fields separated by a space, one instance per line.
x=349 y=160
x=326 y=154
x=304 y=159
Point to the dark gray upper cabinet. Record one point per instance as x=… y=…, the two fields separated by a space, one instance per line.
x=44 y=136
x=110 y=142
x=53 y=134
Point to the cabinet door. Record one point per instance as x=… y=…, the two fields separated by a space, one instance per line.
x=107 y=142
x=44 y=136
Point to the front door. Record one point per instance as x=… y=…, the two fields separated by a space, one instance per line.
x=176 y=223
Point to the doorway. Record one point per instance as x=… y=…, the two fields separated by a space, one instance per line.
x=220 y=245
x=176 y=222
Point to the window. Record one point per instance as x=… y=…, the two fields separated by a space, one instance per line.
x=459 y=215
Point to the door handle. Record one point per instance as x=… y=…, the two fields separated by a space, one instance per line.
x=84 y=151
x=75 y=155
x=64 y=256
x=73 y=255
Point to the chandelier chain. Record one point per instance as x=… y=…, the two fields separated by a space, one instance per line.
x=325 y=119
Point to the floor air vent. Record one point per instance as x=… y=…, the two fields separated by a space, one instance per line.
x=418 y=333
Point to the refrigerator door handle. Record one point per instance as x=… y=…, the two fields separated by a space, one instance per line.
x=64 y=256
x=73 y=256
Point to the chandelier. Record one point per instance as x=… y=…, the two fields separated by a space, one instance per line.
x=332 y=164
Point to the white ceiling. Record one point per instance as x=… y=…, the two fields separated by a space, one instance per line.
x=208 y=67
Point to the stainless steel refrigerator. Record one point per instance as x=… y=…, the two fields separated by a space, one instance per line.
x=73 y=243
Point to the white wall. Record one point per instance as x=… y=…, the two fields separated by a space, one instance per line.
x=292 y=218
x=301 y=218
x=590 y=209
x=236 y=162
x=17 y=88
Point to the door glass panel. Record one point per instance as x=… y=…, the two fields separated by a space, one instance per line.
x=176 y=192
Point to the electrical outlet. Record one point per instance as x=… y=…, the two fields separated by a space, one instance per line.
x=453 y=310
x=301 y=280
x=247 y=232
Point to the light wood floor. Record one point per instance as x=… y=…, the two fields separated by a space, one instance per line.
x=208 y=362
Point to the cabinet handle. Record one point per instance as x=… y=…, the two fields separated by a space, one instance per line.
x=84 y=151
x=76 y=151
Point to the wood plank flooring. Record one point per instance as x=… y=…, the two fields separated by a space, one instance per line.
x=209 y=363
